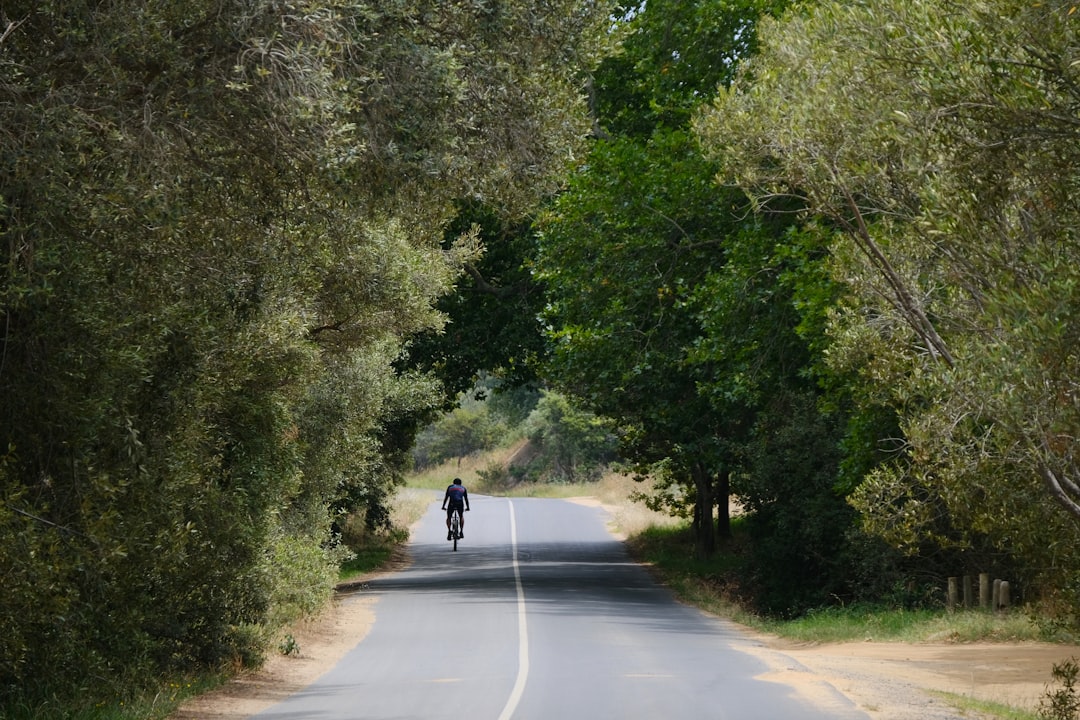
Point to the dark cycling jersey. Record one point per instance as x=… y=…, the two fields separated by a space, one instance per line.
x=456 y=496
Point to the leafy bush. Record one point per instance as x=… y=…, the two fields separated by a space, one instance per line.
x=301 y=575
x=494 y=478
x=1062 y=703
x=458 y=434
x=574 y=445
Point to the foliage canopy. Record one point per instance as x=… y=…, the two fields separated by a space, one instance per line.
x=219 y=222
x=940 y=142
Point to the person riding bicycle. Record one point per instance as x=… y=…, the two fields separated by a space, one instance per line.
x=458 y=497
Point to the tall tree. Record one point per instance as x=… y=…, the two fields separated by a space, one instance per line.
x=760 y=345
x=940 y=141
x=493 y=316
x=640 y=228
x=621 y=251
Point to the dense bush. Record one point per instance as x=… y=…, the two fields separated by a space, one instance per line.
x=458 y=434
x=570 y=444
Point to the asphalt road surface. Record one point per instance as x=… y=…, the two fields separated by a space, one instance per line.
x=540 y=614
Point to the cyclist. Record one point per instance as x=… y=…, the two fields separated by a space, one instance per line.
x=458 y=497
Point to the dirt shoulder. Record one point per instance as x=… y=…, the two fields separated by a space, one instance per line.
x=897 y=681
x=322 y=642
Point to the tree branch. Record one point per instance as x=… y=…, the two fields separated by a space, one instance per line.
x=905 y=303
x=487 y=288
x=1066 y=492
x=50 y=523
x=12 y=26
x=594 y=114
x=314 y=333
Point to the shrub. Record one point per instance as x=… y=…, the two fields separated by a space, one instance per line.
x=1062 y=703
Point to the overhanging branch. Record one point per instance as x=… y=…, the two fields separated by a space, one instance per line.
x=43 y=521
x=487 y=288
x=903 y=300
x=1066 y=492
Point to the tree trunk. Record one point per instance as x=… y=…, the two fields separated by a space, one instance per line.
x=723 y=500
x=703 y=512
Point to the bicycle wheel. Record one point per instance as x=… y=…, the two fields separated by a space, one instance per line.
x=455 y=527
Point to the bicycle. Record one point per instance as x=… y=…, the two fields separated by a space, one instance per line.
x=455 y=528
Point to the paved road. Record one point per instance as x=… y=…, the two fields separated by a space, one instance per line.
x=541 y=615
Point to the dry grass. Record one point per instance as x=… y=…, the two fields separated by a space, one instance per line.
x=422 y=488
x=467 y=468
x=409 y=504
x=629 y=518
x=613 y=492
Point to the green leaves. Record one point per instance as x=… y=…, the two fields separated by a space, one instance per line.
x=934 y=136
x=666 y=303
x=220 y=222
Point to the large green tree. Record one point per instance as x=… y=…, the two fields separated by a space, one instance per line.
x=621 y=251
x=626 y=248
x=940 y=141
x=219 y=222
x=760 y=350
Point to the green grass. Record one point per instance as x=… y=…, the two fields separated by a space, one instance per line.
x=367 y=559
x=882 y=624
x=669 y=553
x=982 y=708
x=156 y=704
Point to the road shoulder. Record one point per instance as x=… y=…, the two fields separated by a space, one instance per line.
x=897 y=681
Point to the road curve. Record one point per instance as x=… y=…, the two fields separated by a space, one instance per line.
x=540 y=614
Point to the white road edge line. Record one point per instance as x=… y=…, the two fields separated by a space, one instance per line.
x=523 y=630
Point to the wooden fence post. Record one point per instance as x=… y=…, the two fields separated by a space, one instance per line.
x=984 y=591
x=952 y=598
x=1003 y=597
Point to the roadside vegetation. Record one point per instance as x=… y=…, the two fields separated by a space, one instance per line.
x=722 y=583
x=707 y=583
